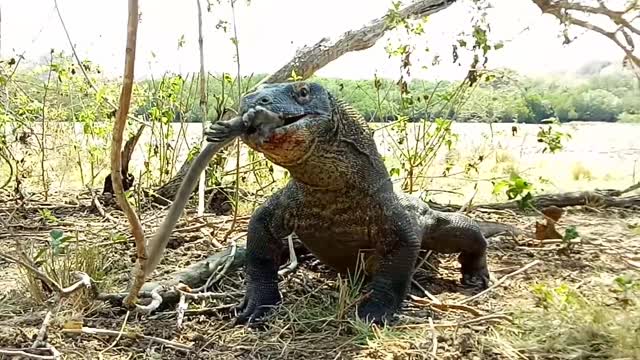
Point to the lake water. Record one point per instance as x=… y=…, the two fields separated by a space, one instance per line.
x=610 y=153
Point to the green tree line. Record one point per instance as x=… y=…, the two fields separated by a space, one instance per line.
x=501 y=96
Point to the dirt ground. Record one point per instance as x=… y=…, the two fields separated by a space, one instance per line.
x=536 y=313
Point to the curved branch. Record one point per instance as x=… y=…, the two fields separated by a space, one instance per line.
x=559 y=9
x=116 y=146
x=310 y=59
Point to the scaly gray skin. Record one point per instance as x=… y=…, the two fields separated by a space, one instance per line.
x=339 y=201
x=258 y=121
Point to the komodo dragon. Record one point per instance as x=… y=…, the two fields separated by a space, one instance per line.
x=340 y=200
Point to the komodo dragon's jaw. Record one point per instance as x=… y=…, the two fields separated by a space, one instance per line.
x=305 y=110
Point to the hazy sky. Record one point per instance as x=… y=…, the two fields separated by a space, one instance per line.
x=271 y=30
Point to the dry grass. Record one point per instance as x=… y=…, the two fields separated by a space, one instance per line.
x=571 y=323
x=568 y=307
x=580 y=172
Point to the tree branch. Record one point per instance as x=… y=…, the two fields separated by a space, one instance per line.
x=310 y=59
x=116 y=160
x=560 y=9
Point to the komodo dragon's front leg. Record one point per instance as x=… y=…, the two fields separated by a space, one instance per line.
x=390 y=282
x=264 y=248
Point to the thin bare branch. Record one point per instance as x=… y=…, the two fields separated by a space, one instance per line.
x=560 y=9
x=116 y=160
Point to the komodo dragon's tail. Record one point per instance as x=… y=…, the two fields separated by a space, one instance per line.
x=491 y=228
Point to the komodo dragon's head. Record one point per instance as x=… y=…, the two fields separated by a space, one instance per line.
x=306 y=109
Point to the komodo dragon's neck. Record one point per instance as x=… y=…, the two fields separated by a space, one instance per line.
x=344 y=158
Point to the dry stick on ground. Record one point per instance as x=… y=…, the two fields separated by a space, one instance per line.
x=42 y=333
x=83 y=279
x=605 y=198
x=101 y=210
x=434 y=339
x=499 y=282
x=124 y=323
x=445 y=307
x=130 y=335
x=182 y=307
x=116 y=160
x=425 y=291
x=420 y=323
x=24 y=353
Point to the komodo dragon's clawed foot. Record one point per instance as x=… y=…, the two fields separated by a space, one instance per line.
x=479 y=279
x=256 y=304
x=474 y=271
x=375 y=312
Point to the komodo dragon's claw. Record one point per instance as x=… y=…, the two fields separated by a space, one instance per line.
x=374 y=312
x=479 y=279
x=255 y=305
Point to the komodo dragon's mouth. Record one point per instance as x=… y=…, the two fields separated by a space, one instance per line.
x=290 y=119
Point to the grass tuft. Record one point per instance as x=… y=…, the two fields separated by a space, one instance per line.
x=567 y=324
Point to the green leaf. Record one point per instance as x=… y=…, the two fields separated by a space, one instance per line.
x=570 y=233
x=56 y=234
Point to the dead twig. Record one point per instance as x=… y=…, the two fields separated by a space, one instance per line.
x=445 y=307
x=101 y=210
x=37 y=273
x=182 y=307
x=124 y=323
x=443 y=325
x=293 y=260
x=431 y=297
x=42 y=333
x=25 y=353
x=130 y=335
x=208 y=295
x=434 y=338
x=217 y=275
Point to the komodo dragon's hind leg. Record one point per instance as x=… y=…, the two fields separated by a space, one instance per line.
x=451 y=233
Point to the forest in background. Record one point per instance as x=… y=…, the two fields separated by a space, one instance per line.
x=502 y=96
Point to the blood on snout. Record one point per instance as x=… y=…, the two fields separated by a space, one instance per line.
x=285 y=145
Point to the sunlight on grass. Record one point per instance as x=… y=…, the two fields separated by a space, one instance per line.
x=64 y=255
x=569 y=324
